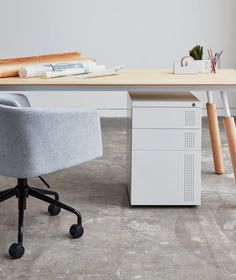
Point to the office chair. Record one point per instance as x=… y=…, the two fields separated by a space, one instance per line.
x=36 y=141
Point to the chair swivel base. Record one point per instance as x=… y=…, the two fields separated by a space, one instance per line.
x=22 y=191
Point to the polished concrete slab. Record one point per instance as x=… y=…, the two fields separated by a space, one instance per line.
x=120 y=242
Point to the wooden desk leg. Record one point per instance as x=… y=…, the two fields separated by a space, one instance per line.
x=214 y=135
x=229 y=126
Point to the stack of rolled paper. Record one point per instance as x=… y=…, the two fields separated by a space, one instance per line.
x=10 y=67
x=54 y=65
x=81 y=70
x=51 y=70
x=84 y=68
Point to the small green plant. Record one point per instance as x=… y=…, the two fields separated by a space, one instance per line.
x=197 y=53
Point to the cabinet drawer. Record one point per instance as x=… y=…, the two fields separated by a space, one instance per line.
x=166 y=117
x=166 y=139
x=165 y=178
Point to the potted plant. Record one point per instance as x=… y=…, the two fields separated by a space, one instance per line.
x=197 y=54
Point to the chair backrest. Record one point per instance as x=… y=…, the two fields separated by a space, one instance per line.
x=8 y=141
x=37 y=141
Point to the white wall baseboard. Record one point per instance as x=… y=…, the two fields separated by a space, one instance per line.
x=113 y=113
x=109 y=104
x=122 y=113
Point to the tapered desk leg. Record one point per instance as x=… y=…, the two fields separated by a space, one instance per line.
x=214 y=134
x=229 y=126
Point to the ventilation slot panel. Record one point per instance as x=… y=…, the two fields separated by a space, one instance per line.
x=189 y=139
x=188 y=177
x=189 y=118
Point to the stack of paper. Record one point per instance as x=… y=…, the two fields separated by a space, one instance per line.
x=53 y=66
x=39 y=70
x=10 y=67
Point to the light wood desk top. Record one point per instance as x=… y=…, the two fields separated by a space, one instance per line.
x=134 y=77
x=128 y=80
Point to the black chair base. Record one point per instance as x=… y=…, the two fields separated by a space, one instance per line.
x=22 y=191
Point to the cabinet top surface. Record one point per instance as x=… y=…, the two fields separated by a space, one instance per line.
x=134 y=77
x=143 y=97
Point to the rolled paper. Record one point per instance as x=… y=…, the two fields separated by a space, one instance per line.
x=72 y=72
x=10 y=67
x=37 y=70
x=101 y=73
x=65 y=73
x=33 y=71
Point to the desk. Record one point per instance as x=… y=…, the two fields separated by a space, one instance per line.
x=151 y=80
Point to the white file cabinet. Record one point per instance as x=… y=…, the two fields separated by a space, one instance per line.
x=164 y=149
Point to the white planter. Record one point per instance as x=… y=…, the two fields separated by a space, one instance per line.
x=204 y=65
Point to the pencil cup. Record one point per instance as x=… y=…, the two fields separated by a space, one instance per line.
x=213 y=67
x=215 y=60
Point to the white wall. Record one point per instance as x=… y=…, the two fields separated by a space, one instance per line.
x=136 y=33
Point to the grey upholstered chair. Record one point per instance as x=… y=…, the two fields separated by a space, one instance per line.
x=36 y=141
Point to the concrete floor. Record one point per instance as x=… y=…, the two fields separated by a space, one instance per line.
x=121 y=242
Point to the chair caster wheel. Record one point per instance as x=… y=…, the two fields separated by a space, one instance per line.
x=76 y=231
x=16 y=250
x=54 y=210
